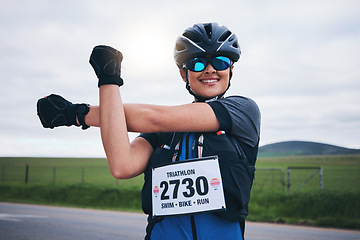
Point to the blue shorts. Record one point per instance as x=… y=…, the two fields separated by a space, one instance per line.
x=207 y=226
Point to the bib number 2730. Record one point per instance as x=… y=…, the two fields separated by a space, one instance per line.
x=201 y=187
x=187 y=187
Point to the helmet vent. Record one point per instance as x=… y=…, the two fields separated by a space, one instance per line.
x=224 y=36
x=235 y=44
x=192 y=37
x=208 y=29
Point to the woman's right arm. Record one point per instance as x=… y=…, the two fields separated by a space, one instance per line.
x=125 y=159
x=93 y=116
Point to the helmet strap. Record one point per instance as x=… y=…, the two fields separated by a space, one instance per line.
x=200 y=98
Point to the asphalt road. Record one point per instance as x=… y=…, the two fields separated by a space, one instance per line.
x=28 y=222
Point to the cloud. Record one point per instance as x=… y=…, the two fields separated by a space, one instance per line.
x=299 y=63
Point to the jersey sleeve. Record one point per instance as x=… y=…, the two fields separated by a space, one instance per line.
x=240 y=116
x=152 y=138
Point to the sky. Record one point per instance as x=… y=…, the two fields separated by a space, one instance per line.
x=300 y=63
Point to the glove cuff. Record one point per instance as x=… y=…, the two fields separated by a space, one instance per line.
x=105 y=80
x=81 y=110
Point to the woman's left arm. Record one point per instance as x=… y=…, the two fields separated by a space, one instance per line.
x=193 y=117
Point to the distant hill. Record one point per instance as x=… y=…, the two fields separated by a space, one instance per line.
x=303 y=148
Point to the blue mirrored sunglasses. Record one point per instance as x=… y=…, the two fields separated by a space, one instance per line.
x=199 y=64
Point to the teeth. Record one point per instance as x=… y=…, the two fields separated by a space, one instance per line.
x=209 y=81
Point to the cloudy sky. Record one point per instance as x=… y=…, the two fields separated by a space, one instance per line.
x=300 y=63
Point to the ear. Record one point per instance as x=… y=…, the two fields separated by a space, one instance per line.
x=231 y=72
x=183 y=74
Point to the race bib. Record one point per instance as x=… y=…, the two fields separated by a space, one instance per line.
x=189 y=186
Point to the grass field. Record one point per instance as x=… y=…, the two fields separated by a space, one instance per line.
x=340 y=173
x=88 y=183
x=60 y=171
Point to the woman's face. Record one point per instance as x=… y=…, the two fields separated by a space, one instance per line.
x=208 y=83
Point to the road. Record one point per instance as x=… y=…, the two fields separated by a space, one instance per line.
x=34 y=222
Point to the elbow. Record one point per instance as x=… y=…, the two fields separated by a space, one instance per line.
x=121 y=173
x=118 y=175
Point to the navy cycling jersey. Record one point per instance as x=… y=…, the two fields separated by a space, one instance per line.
x=236 y=145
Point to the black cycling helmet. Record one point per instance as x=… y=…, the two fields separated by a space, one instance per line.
x=203 y=40
x=206 y=39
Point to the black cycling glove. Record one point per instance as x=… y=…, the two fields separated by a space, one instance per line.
x=106 y=62
x=55 y=111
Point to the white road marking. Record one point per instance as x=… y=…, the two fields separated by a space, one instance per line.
x=18 y=217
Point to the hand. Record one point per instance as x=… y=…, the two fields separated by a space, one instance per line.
x=106 y=62
x=55 y=111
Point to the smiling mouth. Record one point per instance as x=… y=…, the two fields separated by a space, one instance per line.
x=209 y=80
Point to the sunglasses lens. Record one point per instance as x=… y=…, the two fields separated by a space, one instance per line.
x=221 y=63
x=196 y=64
x=199 y=64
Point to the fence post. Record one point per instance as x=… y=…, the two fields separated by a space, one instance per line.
x=26 y=173
x=283 y=179
x=289 y=182
x=54 y=174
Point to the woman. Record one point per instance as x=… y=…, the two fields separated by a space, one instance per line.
x=226 y=128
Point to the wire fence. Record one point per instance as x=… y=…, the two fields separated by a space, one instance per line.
x=59 y=174
x=269 y=179
x=274 y=179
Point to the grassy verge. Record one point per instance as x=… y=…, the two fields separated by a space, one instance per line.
x=126 y=198
x=82 y=182
x=319 y=208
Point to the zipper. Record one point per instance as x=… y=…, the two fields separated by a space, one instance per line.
x=193 y=227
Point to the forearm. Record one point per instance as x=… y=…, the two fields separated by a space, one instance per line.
x=154 y=118
x=93 y=116
x=114 y=131
x=134 y=123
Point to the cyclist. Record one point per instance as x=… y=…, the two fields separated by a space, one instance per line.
x=213 y=125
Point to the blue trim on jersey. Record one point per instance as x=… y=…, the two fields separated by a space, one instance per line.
x=191 y=151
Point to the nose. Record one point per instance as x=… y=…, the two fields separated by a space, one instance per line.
x=209 y=69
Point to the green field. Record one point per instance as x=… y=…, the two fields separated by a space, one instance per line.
x=340 y=173
x=60 y=171
x=88 y=183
